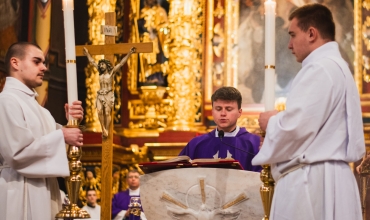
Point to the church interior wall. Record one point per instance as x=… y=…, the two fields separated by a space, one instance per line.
x=155 y=144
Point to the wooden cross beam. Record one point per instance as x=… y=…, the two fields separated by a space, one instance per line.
x=108 y=50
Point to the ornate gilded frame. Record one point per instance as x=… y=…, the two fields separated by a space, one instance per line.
x=229 y=9
x=226 y=12
x=358 y=42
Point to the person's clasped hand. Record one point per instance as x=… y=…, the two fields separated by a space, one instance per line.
x=73 y=136
x=265 y=117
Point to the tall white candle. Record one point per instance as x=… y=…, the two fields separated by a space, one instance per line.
x=69 y=33
x=270 y=7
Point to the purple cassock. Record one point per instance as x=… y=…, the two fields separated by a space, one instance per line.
x=208 y=145
x=121 y=201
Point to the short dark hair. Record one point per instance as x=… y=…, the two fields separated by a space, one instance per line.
x=227 y=93
x=317 y=16
x=132 y=171
x=90 y=189
x=17 y=50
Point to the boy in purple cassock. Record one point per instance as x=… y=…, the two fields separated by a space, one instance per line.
x=121 y=200
x=228 y=140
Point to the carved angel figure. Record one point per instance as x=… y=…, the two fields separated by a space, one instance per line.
x=105 y=97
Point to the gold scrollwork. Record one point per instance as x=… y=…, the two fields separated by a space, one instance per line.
x=186 y=24
x=218 y=40
x=366 y=68
x=231 y=40
x=138 y=110
x=366 y=32
x=148 y=24
x=152 y=96
x=249 y=122
x=366 y=4
x=358 y=44
x=118 y=77
x=219 y=11
x=218 y=74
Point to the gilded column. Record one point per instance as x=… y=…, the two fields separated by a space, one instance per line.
x=96 y=10
x=231 y=39
x=186 y=22
x=42 y=38
x=358 y=44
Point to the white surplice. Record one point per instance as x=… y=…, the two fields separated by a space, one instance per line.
x=93 y=211
x=32 y=154
x=310 y=143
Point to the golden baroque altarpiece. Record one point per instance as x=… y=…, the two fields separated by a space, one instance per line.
x=199 y=41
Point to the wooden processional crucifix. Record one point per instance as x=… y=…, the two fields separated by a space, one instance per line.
x=108 y=50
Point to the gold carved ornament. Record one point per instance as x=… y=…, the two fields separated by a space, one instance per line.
x=155 y=22
x=366 y=4
x=366 y=40
x=366 y=33
x=219 y=11
x=185 y=46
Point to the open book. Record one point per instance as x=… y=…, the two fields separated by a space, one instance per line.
x=185 y=162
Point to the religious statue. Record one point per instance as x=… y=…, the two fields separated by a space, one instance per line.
x=152 y=25
x=115 y=180
x=91 y=180
x=105 y=97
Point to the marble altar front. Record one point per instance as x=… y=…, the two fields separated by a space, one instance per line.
x=201 y=194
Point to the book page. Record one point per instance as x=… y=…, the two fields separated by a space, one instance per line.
x=204 y=160
x=182 y=158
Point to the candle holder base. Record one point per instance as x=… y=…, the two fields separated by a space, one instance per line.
x=71 y=212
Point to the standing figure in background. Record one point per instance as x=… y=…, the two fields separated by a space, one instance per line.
x=310 y=144
x=121 y=200
x=152 y=26
x=105 y=98
x=32 y=144
x=92 y=181
x=115 y=180
x=92 y=206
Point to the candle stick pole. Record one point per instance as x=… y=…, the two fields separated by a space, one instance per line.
x=268 y=183
x=71 y=210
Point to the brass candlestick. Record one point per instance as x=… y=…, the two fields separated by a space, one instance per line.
x=267 y=188
x=73 y=182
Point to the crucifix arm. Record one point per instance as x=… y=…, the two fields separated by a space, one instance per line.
x=124 y=60
x=91 y=60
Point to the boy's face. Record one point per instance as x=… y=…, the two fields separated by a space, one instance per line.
x=299 y=41
x=226 y=114
x=30 y=69
x=133 y=180
x=91 y=197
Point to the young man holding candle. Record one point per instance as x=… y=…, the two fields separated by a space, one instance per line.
x=32 y=144
x=310 y=144
x=237 y=142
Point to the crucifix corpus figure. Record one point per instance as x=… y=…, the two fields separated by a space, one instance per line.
x=105 y=97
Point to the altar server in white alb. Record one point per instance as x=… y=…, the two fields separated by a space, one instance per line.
x=310 y=144
x=32 y=144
